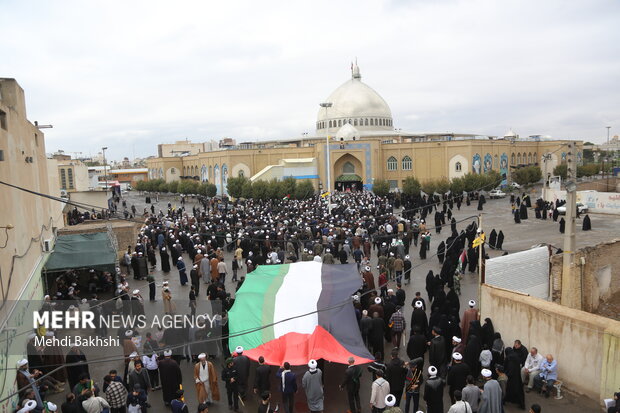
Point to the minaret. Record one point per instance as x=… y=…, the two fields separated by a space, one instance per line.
x=355 y=70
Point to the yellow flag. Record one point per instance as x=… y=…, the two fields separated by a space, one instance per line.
x=479 y=240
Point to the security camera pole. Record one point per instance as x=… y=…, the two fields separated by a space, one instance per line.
x=570 y=284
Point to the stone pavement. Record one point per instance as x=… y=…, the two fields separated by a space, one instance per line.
x=495 y=215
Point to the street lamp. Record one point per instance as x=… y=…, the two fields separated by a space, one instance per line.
x=105 y=169
x=328 y=105
x=608 y=127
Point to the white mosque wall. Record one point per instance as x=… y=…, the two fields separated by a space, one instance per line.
x=597 y=202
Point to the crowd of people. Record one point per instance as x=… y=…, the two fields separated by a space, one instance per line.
x=444 y=347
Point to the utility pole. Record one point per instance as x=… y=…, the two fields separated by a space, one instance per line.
x=480 y=247
x=328 y=105
x=570 y=285
x=105 y=169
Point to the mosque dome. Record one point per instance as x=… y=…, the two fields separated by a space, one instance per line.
x=357 y=104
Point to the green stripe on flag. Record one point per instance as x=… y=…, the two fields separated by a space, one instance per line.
x=270 y=300
x=254 y=306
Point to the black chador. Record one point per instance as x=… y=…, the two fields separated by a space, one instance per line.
x=500 y=240
x=587 y=225
x=492 y=239
x=562 y=225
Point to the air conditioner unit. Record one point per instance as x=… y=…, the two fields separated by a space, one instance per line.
x=47 y=245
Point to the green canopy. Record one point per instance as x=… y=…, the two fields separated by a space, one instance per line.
x=348 y=178
x=82 y=251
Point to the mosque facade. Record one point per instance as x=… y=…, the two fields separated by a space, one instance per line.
x=364 y=146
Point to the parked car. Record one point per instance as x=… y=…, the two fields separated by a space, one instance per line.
x=581 y=207
x=497 y=193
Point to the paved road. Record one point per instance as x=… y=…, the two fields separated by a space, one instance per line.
x=495 y=215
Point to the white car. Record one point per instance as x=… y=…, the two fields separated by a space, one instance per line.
x=515 y=185
x=497 y=193
x=581 y=207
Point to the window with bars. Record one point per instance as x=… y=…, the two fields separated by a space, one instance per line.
x=392 y=164
x=63 y=179
x=407 y=163
x=70 y=176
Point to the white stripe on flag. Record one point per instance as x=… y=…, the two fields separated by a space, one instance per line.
x=298 y=294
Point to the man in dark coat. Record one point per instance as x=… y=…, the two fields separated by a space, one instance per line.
x=437 y=351
x=351 y=383
x=418 y=317
x=242 y=365
x=377 y=333
x=395 y=374
x=457 y=375
x=262 y=377
x=433 y=392
x=417 y=345
x=170 y=376
x=165 y=259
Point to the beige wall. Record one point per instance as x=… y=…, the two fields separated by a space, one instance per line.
x=79 y=172
x=98 y=199
x=431 y=159
x=600 y=271
x=586 y=346
x=34 y=219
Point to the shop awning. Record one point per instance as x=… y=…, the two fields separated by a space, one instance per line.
x=349 y=178
x=82 y=251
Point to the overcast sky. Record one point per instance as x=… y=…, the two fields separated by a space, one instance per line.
x=131 y=74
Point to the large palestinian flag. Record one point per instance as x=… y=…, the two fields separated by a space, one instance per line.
x=308 y=312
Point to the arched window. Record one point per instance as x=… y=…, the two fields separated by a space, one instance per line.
x=376 y=122
x=372 y=122
x=366 y=122
x=392 y=164
x=240 y=174
x=161 y=172
x=535 y=159
x=407 y=163
x=210 y=176
x=529 y=158
x=519 y=159
x=458 y=167
x=339 y=122
x=354 y=122
x=348 y=168
x=512 y=159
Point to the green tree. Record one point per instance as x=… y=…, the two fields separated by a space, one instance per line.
x=560 y=170
x=211 y=190
x=411 y=186
x=304 y=190
x=534 y=174
x=235 y=186
x=288 y=186
x=429 y=186
x=260 y=190
x=246 y=190
x=173 y=187
x=381 y=187
x=274 y=189
x=442 y=185
x=457 y=186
